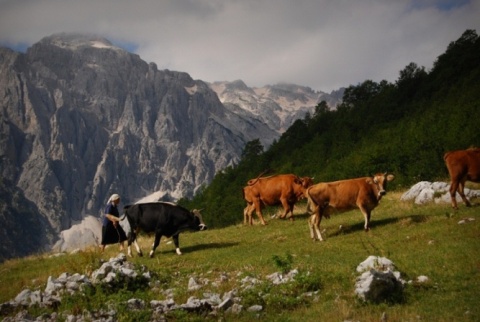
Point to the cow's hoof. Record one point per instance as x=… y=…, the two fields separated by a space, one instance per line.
x=140 y=254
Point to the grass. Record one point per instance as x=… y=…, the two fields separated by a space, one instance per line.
x=419 y=239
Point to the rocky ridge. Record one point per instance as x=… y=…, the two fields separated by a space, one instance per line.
x=82 y=119
x=278 y=106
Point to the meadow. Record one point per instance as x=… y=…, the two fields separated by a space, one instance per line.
x=420 y=240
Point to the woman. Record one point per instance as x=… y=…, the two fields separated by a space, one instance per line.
x=112 y=232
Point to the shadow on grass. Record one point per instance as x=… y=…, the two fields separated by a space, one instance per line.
x=195 y=248
x=347 y=229
x=293 y=218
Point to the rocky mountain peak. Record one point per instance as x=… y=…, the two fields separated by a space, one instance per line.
x=74 y=41
x=82 y=119
x=278 y=106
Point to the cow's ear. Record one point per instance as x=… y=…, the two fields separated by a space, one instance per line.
x=369 y=180
x=390 y=177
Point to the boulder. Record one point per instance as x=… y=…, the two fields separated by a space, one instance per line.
x=438 y=192
x=379 y=281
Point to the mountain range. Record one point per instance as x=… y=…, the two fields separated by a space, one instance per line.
x=82 y=118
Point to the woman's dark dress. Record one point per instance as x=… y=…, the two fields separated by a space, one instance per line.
x=110 y=234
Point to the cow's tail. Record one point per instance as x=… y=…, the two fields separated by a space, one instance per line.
x=125 y=212
x=253 y=181
x=311 y=205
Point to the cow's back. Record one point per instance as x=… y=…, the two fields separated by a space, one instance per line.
x=148 y=216
x=342 y=194
x=271 y=189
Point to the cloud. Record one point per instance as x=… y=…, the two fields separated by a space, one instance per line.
x=323 y=44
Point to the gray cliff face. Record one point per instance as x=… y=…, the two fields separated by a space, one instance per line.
x=82 y=119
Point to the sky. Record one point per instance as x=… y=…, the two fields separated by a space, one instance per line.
x=322 y=44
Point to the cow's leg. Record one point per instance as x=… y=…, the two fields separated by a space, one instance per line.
x=291 y=205
x=132 y=238
x=250 y=211
x=245 y=215
x=177 y=244
x=258 y=210
x=137 y=247
x=129 y=244
x=366 y=216
x=461 y=192
x=453 y=192
x=316 y=219
x=155 y=243
x=311 y=220
x=286 y=207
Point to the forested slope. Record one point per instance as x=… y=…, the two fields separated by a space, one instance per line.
x=403 y=127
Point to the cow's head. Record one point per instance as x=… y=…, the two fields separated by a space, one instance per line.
x=303 y=184
x=380 y=181
x=198 y=215
x=306 y=182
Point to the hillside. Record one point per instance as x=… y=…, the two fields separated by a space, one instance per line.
x=422 y=240
x=403 y=127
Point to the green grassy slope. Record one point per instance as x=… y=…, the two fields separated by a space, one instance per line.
x=420 y=240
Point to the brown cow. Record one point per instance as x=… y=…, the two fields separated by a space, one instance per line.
x=284 y=189
x=462 y=165
x=327 y=197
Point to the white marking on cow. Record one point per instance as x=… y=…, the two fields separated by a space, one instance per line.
x=137 y=247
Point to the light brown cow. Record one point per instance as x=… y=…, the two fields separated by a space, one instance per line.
x=462 y=165
x=284 y=189
x=327 y=197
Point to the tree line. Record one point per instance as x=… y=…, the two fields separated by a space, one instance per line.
x=403 y=127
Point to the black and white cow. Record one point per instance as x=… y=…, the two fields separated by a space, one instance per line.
x=162 y=218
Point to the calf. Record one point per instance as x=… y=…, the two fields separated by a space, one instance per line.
x=327 y=197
